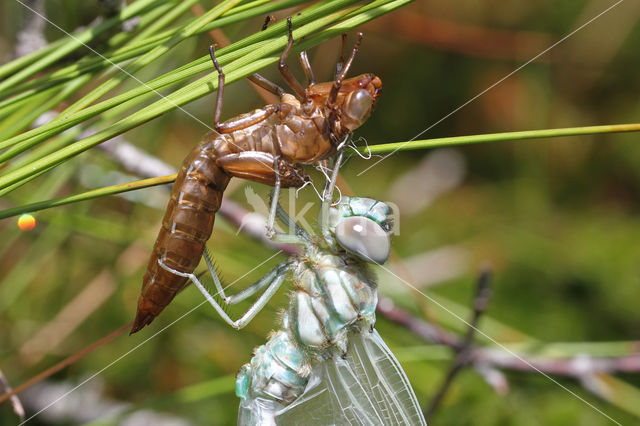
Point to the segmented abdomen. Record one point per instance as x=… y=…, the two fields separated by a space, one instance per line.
x=186 y=227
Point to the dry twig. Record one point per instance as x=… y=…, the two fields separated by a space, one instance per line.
x=464 y=354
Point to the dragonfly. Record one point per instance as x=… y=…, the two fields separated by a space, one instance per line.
x=326 y=364
x=268 y=146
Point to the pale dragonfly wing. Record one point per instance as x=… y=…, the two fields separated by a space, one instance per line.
x=367 y=388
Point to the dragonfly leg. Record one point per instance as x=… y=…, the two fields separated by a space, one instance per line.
x=299 y=235
x=203 y=290
x=298 y=232
x=214 y=276
x=267 y=20
x=277 y=210
x=284 y=68
x=260 y=303
x=327 y=198
x=220 y=96
x=275 y=195
x=333 y=95
x=306 y=66
x=272 y=287
x=247 y=292
x=259 y=285
x=266 y=84
x=260 y=80
x=258 y=167
x=247 y=120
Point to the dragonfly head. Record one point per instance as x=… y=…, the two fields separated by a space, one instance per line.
x=354 y=103
x=360 y=97
x=362 y=227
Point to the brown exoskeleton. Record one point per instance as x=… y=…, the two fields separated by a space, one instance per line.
x=267 y=145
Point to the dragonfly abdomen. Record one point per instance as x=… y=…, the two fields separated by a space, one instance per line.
x=187 y=224
x=278 y=368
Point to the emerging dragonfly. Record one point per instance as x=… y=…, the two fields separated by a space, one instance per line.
x=267 y=145
x=326 y=364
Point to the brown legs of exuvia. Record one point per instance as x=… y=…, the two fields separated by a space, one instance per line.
x=342 y=69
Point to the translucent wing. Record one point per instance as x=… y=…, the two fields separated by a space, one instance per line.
x=367 y=388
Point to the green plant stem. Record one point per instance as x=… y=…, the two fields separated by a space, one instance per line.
x=148 y=27
x=23 y=120
x=383 y=148
x=499 y=137
x=7 y=189
x=13 y=116
x=22 y=61
x=150 y=24
x=100 y=192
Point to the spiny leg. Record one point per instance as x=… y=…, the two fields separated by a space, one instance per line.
x=219 y=98
x=255 y=78
x=266 y=84
x=284 y=68
x=214 y=275
x=273 y=283
x=306 y=66
x=245 y=121
x=333 y=95
x=247 y=292
x=347 y=66
x=327 y=197
x=275 y=273
x=284 y=217
x=274 y=200
x=299 y=235
x=260 y=80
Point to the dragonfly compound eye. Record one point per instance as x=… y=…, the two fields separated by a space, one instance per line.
x=359 y=105
x=364 y=238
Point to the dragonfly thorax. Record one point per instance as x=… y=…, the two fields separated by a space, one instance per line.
x=333 y=296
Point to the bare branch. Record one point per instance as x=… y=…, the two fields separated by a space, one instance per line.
x=576 y=367
x=427 y=331
x=465 y=352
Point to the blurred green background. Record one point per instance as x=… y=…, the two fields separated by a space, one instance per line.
x=556 y=219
